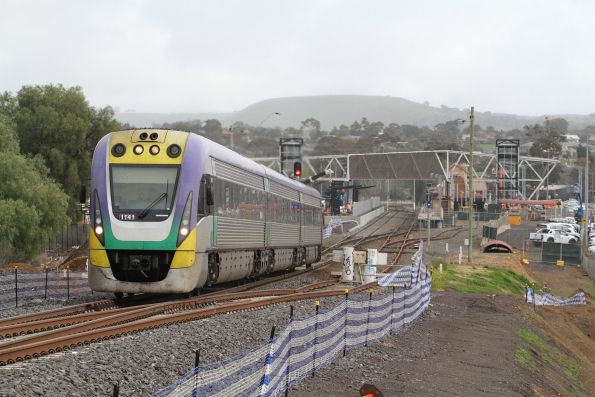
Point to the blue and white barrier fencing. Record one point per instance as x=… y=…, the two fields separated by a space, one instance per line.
x=547 y=299
x=333 y=223
x=17 y=287
x=407 y=275
x=308 y=344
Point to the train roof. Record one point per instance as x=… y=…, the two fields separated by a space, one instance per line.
x=229 y=156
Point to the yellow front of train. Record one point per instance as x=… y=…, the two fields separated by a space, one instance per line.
x=143 y=212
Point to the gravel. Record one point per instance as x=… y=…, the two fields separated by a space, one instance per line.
x=146 y=362
x=40 y=305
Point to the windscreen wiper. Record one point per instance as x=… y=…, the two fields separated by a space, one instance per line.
x=154 y=203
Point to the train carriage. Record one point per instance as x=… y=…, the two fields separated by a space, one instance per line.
x=172 y=212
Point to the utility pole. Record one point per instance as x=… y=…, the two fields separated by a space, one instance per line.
x=547 y=178
x=470 y=194
x=585 y=220
x=428 y=208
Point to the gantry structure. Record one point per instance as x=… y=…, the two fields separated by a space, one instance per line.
x=532 y=172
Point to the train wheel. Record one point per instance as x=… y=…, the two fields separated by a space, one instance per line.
x=119 y=296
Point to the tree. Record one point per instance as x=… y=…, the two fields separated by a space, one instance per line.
x=214 y=131
x=355 y=129
x=373 y=129
x=58 y=124
x=332 y=145
x=8 y=104
x=291 y=131
x=438 y=144
x=343 y=130
x=195 y=126
x=312 y=124
x=559 y=125
x=32 y=206
x=102 y=123
x=546 y=142
x=262 y=147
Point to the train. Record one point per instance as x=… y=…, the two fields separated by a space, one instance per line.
x=173 y=212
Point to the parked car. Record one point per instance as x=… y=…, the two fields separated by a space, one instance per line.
x=552 y=236
x=567 y=219
x=558 y=225
x=565 y=228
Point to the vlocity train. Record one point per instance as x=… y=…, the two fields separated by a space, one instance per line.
x=172 y=211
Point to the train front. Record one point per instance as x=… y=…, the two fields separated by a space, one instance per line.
x=143 y=213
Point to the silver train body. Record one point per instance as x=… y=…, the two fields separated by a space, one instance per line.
x=225 y=218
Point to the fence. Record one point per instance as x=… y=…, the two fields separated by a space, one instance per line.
x=20 y=286
x=546 y=253
x=72 y=235
x=450 y=218
x=544 y=298
x=307 y=344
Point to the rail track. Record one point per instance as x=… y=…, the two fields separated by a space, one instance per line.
x=129 y=320
x=44 y=333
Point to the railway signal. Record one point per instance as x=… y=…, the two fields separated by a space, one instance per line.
x=297 y=169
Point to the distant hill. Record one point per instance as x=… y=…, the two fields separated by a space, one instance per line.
x=334 y=110
x=156 y=119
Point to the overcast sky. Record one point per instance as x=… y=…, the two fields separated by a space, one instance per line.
x=524 y=57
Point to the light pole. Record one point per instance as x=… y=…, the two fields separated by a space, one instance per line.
x=585 y=220
x=267 y=117
x=429 y=208
x=547 y=178
x=470 y=195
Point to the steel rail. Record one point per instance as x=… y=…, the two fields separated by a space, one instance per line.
x=86 y=333
x=60 y=322
x=47 y=324
x=134 y=313
x=352 y=237
x=75 y=309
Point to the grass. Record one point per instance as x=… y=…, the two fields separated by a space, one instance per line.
x=478 y=280
x=524 y=358
x=548 y=353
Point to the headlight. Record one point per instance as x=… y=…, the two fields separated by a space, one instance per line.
x=97 y=218
x=139 y=149
x=185 y=222
x=118 y=150
x=174 y=150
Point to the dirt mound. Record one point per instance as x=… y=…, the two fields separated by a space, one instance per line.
x=78 y=263
x=21 y=266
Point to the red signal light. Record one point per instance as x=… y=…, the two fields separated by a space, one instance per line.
x=297 y=169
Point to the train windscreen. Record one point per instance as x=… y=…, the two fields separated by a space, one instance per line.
x=143 y=193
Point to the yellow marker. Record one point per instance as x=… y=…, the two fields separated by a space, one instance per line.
x=346 y=291
x=317 y=303
x=560 y=263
